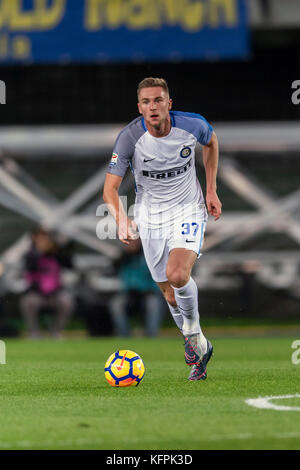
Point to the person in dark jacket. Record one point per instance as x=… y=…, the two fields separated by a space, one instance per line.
x=138 y=293
x=43 y=266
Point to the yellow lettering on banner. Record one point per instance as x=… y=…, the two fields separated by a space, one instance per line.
x=21 y=47
x=49 y=17
x=192 y=15
x=95 y=14
x=170 y=9
x=154 y=16
x=3 y=45
x=136 y=14
x=114 y=13
x=18 y=19
x=222 y=11
x=4 y=13
x=17 y=47
x=40 y=17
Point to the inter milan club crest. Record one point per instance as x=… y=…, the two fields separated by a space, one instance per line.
x=186 y=152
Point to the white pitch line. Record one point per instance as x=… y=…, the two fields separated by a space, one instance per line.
x=53 y=444
x=229 y=437
x=236 y=437
x=88 y=442
x=264 y=402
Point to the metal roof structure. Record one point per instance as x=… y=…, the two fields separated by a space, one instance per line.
x=24 y=195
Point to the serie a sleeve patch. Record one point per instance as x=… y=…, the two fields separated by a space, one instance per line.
x=114 y=160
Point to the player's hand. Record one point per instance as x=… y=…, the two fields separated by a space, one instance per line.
x=214 y=205
x=127 y=231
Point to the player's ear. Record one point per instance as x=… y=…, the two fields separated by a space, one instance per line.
x=139 y=108
x=170 y=104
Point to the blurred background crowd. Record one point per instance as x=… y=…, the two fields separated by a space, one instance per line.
x=71 y=69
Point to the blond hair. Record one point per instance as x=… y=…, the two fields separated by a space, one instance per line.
x=150 y=82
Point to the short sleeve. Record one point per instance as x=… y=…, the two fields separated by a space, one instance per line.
x=122 y=153
x=193 y=123
x=205 y=131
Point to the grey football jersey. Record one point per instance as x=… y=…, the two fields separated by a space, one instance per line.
x=163 y=168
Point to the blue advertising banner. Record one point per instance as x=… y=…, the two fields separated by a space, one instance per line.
x=51 y=31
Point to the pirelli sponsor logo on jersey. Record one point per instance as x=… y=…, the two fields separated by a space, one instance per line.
x=171 y=173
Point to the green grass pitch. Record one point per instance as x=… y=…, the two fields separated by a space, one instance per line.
x=54 y=396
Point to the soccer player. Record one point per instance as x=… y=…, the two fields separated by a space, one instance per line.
x=170 y=212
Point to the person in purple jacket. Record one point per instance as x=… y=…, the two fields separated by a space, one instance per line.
x=43 y=265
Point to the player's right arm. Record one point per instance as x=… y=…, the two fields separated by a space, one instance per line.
x=123 y=152
x=115 y=207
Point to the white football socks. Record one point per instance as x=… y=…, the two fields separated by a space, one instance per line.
x=187 y=300
x=177 y=315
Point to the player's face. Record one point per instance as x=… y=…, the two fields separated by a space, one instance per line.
x=154 y=104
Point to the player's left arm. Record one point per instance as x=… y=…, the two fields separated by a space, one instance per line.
x=210 y=153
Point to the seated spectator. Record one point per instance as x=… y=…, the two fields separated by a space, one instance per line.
x=43 y=264
x=138 y=293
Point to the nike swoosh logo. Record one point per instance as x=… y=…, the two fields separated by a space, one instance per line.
x=150 y=159
x=190 y=241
